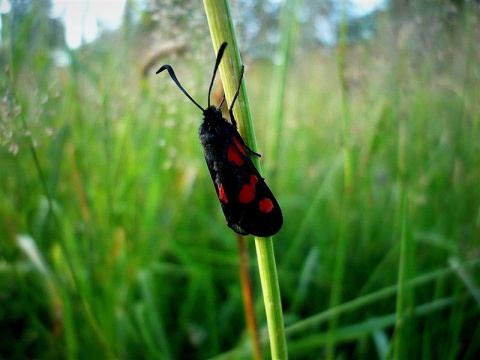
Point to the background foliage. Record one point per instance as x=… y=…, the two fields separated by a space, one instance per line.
x=112 y=244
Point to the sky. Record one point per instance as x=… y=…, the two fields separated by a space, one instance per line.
x=84 y=19
x=366 y=6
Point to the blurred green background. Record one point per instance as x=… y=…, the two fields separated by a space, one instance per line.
x=113 y=245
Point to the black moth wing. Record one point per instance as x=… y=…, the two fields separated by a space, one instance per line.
x=247 y=203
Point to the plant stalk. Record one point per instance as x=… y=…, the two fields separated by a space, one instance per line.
x=221 y=29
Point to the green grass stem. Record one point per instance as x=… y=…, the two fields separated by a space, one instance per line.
x=288 y=22
x=404 y=294
x=221 y=29
x=339 y=266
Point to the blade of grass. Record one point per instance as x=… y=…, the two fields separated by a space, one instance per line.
x=404 y=300
x=343 y=232
x=466 y=278
x=288 y=26
x=221 y=29
x=367 y=327
x=403 y=294
x=377 y=296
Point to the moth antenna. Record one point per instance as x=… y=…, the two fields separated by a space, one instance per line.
x=175 y=80
x=217 y=63
x=230 y=109
x=238 y=89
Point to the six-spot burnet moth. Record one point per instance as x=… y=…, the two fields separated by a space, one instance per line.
x=247 y=203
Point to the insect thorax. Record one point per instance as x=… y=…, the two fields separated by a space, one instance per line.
x=212 y=113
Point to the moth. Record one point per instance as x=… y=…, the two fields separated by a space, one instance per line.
x=247 y=202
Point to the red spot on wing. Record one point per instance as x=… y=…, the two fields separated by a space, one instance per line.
x=239 y=146
x=247 y=192
x=234 y=155
x=221 y=194
x=265 y=205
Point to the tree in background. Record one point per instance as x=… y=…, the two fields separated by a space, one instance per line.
x=29 y=33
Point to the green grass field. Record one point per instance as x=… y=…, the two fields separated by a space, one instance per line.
x=113 y=245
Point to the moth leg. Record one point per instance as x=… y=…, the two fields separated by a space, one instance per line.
x=230 y=110
x=221 y=102
x=251 y=151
